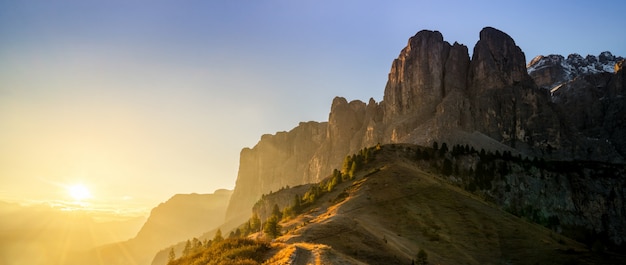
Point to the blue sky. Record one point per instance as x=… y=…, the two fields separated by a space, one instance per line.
x=144 y=99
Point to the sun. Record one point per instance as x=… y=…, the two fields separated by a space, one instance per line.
x=78 y=192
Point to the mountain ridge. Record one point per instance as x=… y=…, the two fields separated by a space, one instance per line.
x=406 y=199
x=436 y=92
x=181 y=217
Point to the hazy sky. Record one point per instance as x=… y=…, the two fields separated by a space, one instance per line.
x=139 y=100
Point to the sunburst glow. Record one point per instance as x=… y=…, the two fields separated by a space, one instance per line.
x=79 y=192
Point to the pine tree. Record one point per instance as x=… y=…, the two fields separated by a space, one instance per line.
x=255 y=223
x=447 y=167
x=297 y=204
x=347 y=162
x=187 y=249
x=353 y=169
x=422 y=257
x=171 y=256
x=444 y=149
x=218 y=236
x=276 y=212
x=272 y=228
x=197 y=244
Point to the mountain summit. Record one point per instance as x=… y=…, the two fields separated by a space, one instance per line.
x=435 y=92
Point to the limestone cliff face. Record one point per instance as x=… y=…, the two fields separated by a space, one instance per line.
x=497 y=62
x=436 y=93
x=277 y=161
x=415 y=82
x=423 y=75
x=306 y=154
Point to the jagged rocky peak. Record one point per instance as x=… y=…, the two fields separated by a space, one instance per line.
x=418 y=70
x=553 y=70
x=497 y=62
x=436 y=93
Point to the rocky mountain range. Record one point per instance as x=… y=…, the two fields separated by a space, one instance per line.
x=554 y=110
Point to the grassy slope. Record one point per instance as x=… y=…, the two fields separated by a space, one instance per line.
x=399 y=209
x=393 y=209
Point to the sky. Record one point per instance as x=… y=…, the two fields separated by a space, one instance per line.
x=140 y=100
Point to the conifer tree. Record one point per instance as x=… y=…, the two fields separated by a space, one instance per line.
x=447 y=167
x=272 y=228
x=255 y=223
x=187 y=249
x=171 y=256
x=196 y=244
x=276 y=212
x=218 y=236
x=422 y=257
x=444 y=149
x=297 y=204
x=353 y=169
x=347 y=162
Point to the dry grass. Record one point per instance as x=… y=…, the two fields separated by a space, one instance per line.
x=399 y=209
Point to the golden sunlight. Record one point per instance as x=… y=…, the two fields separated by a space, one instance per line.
x=78 y=192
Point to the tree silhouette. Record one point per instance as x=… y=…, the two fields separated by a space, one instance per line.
x=447 y=167
x=444 y=149
x=422 y=257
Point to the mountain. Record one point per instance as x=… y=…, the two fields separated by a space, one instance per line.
x=40 y=234
x=435 y=92
x=554 y=70
x=405 y=199
x=401 y=202
x=588 y=95
x=181 y=217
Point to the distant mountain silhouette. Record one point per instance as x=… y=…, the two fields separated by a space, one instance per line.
x=181 y=217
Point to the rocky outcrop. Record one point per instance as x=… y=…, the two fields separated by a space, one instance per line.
x=436 y=93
